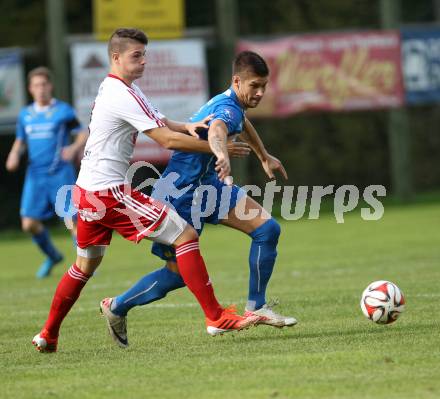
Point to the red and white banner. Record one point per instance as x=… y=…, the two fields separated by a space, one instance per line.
x=330 y=72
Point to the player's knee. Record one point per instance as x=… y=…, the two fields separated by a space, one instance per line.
x=192 y=235
x=189 y=234
x=275 y=229
x=30 y=226
x=86 y=263
x=269 y=231
x=25 y=226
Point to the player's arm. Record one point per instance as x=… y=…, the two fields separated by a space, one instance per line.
x=217 y=138
x=73 y=125
x=250 y=136
x=268 y=161
x=71 y=151
x=190 y=127
x=172 y=140
x=17 y=150
x=167 y=137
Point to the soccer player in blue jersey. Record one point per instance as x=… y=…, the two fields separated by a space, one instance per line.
x=190 y=172
x=44 y=128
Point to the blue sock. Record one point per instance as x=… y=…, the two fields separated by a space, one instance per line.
x=45 y=244
x=261 y=261
x=148 y=289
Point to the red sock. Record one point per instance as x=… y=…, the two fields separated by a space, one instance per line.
x=65 y=296
x=193 y=271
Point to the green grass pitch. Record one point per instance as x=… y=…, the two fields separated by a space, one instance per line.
x=322 y=268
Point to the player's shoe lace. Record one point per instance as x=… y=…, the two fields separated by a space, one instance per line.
x=271 y=318
x=116 y=325
x=229 y=321
x=44 y=343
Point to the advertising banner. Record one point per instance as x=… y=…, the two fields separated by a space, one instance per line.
x=421 y=65
x=174 y=80
x=161 y=19
x=330 y=72
x=12 y=86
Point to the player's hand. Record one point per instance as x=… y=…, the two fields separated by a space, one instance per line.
x=68 y=153
x=272 y=164
x=12 y=162
x=223 y=168
x=238 y=149
x=193 y=127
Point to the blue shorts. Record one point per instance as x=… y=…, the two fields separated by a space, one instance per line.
x=209 y=203
x=40 y=192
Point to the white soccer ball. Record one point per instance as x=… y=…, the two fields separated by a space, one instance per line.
x=382 y=302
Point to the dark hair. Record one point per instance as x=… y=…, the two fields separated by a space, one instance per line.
x=248 y=61
x=120 y=37
x=40 y=71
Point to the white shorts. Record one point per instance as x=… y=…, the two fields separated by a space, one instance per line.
x=169 y=230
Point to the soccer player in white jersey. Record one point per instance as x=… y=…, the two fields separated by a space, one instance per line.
x=106 y=202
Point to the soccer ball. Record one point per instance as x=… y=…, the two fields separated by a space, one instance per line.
x=382 y=302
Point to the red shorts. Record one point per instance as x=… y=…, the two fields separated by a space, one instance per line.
x=131 y=213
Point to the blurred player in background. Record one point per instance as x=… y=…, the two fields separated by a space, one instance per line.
x=106 y=202
x=249 y=80
x=44 y=128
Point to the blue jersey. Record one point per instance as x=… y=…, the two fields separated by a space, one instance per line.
x=194 y=168
x=45 y=133
x=186 y=171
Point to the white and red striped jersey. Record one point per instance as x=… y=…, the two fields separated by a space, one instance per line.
x=119 y=113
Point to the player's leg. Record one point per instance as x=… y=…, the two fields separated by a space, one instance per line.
x=193 y=271
x=41 y=237
x=34 y=208
x=151 y=287
x=132 y=222
x=176 y=232
x=66 y=294
x=94 y=235
x=264 y=231
x=128 y=220
x=157 y=284
x=192 y=268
